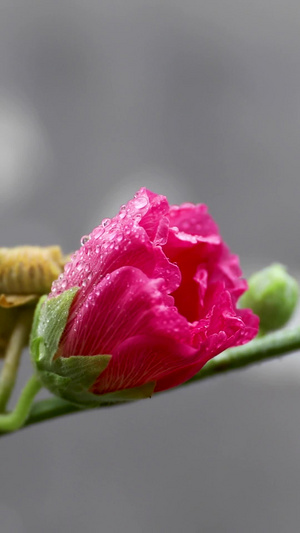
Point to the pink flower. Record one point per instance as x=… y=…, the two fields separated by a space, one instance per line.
x=157 y=292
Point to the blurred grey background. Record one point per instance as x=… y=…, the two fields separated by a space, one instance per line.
x=200 y=101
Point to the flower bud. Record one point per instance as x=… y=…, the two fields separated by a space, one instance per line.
x=145 y=302
x=272 y=295
x=26 y=272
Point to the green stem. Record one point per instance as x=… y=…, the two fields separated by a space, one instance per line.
x=16 y=418
x=17 y=342
x=260 y=349
x=50 y=408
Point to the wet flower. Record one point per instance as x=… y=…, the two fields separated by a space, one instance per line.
x=146 y=301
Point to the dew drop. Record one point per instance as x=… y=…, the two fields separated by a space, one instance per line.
x=140 y=202
x=84 y=239
x=122 y=211
x=98 y=232
x=111 y=236
x=105 y=222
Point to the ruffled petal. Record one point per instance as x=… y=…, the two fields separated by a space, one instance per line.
x=122 y=242
x=195 y=245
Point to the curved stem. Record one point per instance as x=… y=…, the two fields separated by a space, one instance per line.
x=260 y=349
x=17 y=342
x=16 y=418
x=50 y=408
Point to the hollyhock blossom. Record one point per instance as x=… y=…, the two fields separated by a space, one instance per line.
x=146 y=301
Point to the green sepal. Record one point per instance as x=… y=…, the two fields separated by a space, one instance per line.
x=67 y=389
x=49 y=322
x=74 y=392
x=81 y=369
x=68 y=377
x=71 y=377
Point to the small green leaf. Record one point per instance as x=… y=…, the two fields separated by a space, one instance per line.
x=49 y=323
x=67 y=389
x=82 y=369
x=75 y=392
x=53 y=382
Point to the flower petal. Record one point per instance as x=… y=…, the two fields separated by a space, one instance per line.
x=120 y=242
x=124 y=304
x=142 y=359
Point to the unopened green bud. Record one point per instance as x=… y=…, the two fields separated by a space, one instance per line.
x=272 y=295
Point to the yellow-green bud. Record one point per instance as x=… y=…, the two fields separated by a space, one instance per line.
x=272 y=295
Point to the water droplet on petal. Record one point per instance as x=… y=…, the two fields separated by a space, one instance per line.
x=105 y=222
x=98 y=232
x=84 y=239
x=111 y=236
x=122 y=211
x=140 y=202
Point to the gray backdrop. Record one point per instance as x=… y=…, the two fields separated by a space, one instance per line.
x=200 y=101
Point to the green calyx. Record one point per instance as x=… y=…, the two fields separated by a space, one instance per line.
x=70 y=377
